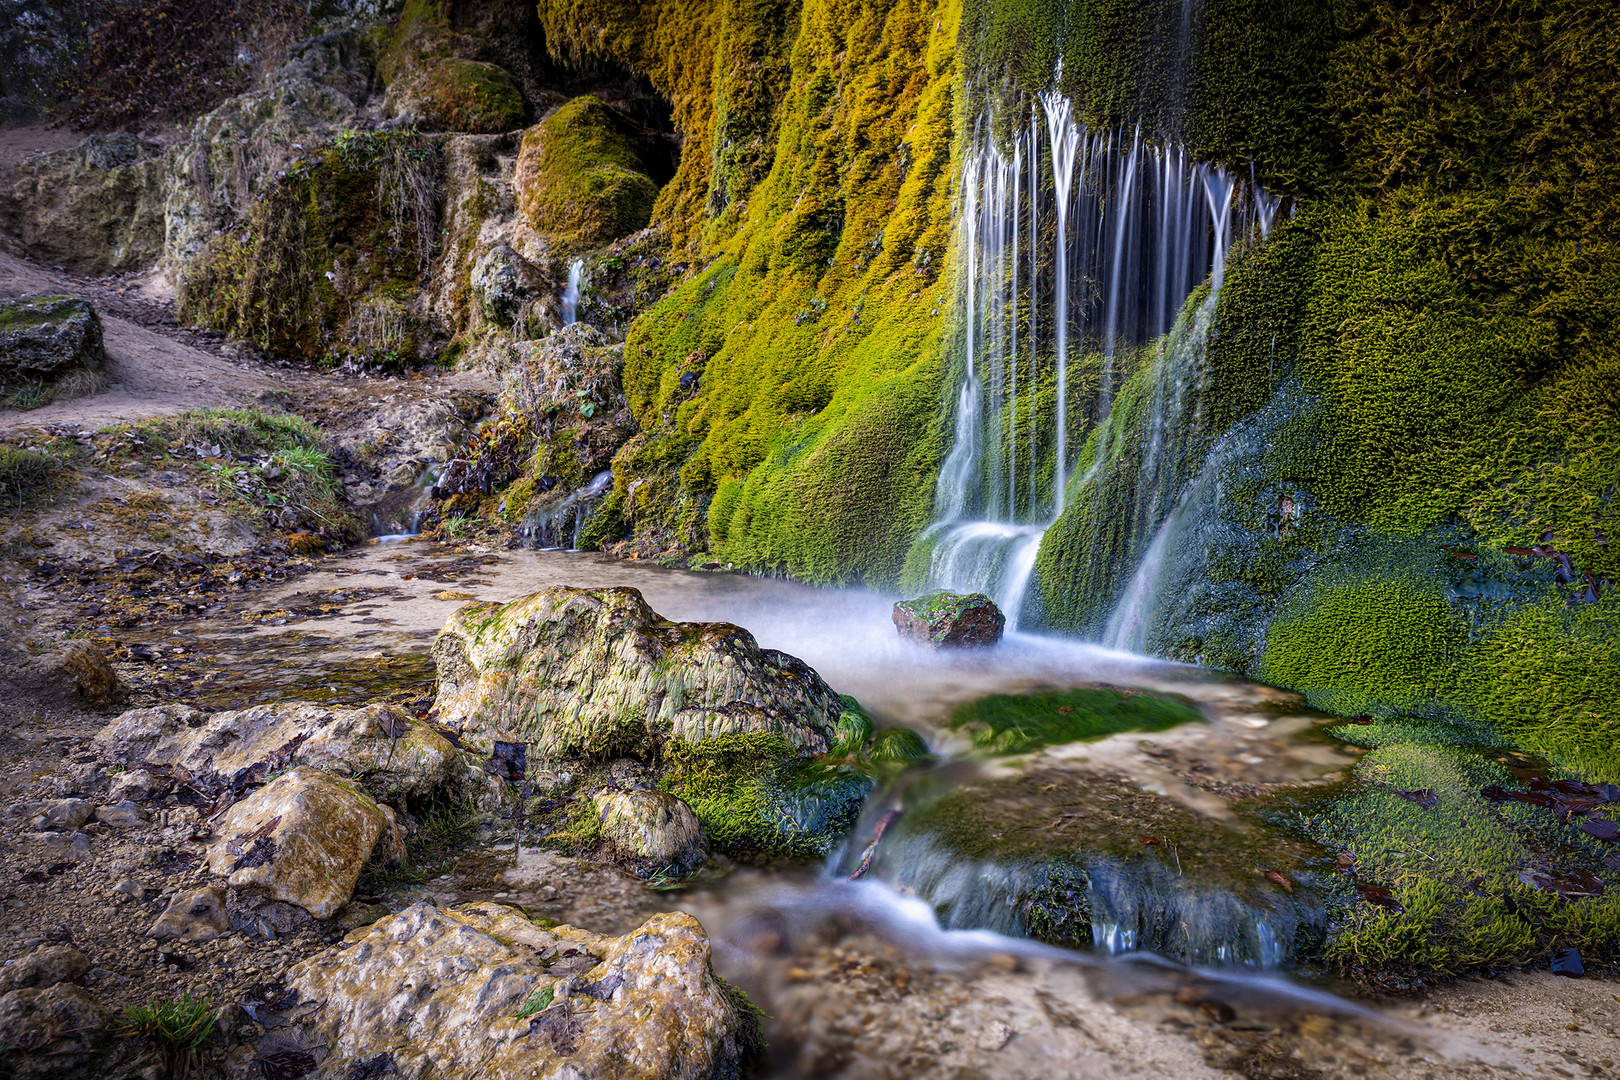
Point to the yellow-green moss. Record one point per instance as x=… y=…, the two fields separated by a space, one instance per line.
x=580 y=178
x=469 y=95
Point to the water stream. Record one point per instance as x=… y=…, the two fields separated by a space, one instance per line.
x=570 y=296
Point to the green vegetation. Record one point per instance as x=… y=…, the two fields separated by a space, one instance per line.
x=177 y=1025
x=1019 y=723
x=536 y=1001
x=26 y=476
x=1461 y=870
x=580 y=177
x=758 y=798
x=325 y=260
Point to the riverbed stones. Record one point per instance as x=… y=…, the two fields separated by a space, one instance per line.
x=48 y=815
x=945 y=620
x=652 y=827
x=596 y=672
x=382 y=749
x=195 y=915
x=44 y=968
x=645 y=1005
x=304 y=838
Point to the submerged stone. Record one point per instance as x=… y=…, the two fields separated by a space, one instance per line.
x=597 y=673
x=304 y=837
x=494 y=995
x=944 y=620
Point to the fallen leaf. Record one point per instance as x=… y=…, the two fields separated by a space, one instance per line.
x=1568 y=964
x=1602 y=828
x=1424 y=797
x=1379 y=896
x=1345 y=860
x=1150 y=840
x=1280 y=879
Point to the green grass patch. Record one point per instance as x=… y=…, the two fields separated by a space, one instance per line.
x=1020 y=723
x=176 y=1024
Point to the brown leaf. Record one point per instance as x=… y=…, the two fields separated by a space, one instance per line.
x=1379 y=896
x=1602 y=828
x=1279 y=879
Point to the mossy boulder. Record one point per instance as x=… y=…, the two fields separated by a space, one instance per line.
x=52 y=343
x=454 y=94
x=580 y=175
x=946 y=620
x=653 y=828
x=1020 y=723
x=597 y=673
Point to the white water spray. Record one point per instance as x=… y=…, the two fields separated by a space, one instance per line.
x=570 y=296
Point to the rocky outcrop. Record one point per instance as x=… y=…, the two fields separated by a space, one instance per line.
x=55 y=1034
x=389 y=755
x=651 y=827
x=54 y=341
x=596 y=672
x=304 y=838
x=943 y=620
x=493 y=995
x=580 y=175
x=96 y=208
x=44 y=968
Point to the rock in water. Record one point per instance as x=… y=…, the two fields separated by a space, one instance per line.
x=653 y=827
x=481 y=1002
x=943 y=620
x=596 y=672
x=55 y=340
x=304 y=837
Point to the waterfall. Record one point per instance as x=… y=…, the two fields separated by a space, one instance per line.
x=1079 y=248
x=570 y=296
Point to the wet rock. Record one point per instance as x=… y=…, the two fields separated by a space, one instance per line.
x=304 y=838
x=96 y=208
x=649 y=1005
x=49 y=815
x=943 y=620
x=121 y=815
x=652 y=826
x=198 y=915
x=56 y=1033
x=44 y=968
x=502 y=280
x=598 y=672
x=75 y=675
x=61 y=846
x=382 y=749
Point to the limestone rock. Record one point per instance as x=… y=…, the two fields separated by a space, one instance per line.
x=598 y=672
x=60 y=846
x=502 y=280
x=54 y=340
x=45 y=967
x=454 y=94
x=649 y=1007
x=96 y=208
x=55 y=1033
x=391 y=756
x=48 y=815
x=943 y=620
x=121 y=815
x=304 y=837
x=198 y=915
x=653 y=826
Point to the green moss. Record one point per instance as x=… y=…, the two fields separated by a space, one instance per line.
x=1453 y=867
x=898 y=746
x=757 y=798
x=580 y=175
x=853 y=730
x=470 y=95
x=1019 y=723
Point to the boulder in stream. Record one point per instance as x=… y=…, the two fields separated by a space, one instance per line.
x=652 y=827
x=492 y=994
x=304 y=838
x=945 y=620
x=596 y=672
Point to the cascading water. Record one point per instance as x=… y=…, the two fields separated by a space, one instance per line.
x=570 y=296
x=1054 y=318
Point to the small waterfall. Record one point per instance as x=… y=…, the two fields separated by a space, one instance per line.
x=570 y=296
x=561 y=524
x=1079 y=248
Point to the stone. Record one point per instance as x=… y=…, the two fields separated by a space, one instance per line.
x=75 y=675
x=50 y=815
x=581 y=178
x=61 y=846
x=382 y=749
x=643 y=1005
x=51 y=339
x=943 y=620
x=197 y=915
x=652 y=826
x=454 y=94
x=121 y=815
x=55 y=1033
x=304 y=838
x=96 y=208
x=597 y=672
x=44 y=968
x=128 y=887
x=502 y=280
x=131 y=785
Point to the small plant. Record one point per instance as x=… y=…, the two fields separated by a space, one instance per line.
x=178 y=1026
x=535 y=1002
x=24 y=475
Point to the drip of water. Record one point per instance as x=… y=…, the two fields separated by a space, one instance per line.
x=570 y=296
x=1135 y=228
x=416 y=513
x=561 y=524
